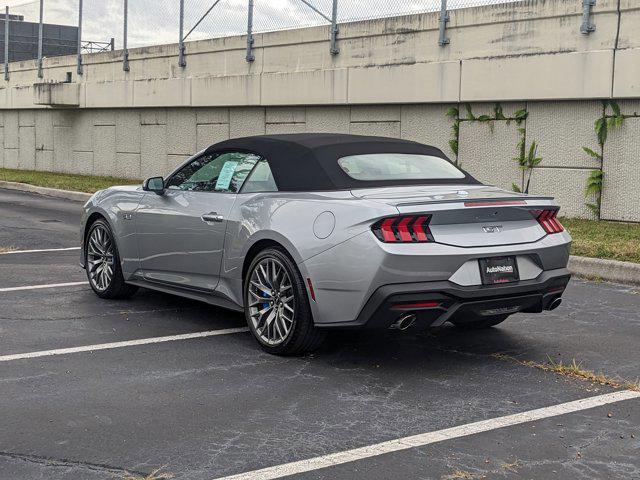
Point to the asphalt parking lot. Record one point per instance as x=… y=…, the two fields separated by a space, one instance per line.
x=140 y=392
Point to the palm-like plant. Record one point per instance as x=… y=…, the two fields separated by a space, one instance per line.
x=527 y=161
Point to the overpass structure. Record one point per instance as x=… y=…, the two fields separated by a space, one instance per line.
x=512 y=76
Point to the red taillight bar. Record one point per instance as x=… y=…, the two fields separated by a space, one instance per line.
x=387 y=232
x=419 y=228
x=548 y=221
x=415 y=306
x=556 y=289
x=403 y=229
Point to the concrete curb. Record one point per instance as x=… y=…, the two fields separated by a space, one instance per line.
x=607 y=270
x=51 y=192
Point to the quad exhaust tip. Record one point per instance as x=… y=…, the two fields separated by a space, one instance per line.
x=404 y=322
x=555 y=304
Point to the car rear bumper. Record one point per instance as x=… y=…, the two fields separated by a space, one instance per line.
x=434 y=303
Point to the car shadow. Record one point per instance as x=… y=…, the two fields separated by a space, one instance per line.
x=446 y=349
x=427 y=349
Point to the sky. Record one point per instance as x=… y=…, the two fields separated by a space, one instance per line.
x=153 y=22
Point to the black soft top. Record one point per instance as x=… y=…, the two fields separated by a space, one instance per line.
x=309 y=161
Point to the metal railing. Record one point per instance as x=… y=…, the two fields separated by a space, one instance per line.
x=97 y=47
x=164 y=21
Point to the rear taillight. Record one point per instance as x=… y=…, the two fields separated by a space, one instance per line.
x=547 y=219
x=403 y=229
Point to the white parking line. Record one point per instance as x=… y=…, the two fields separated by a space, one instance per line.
x=127 y=343
x=421 y=440
x=38 y=287
x=13 y=252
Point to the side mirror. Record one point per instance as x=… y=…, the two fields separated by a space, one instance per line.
x=154 y=184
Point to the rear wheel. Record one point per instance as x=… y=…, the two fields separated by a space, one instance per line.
x=102 y=263
x=277 y=307
x=482 y=323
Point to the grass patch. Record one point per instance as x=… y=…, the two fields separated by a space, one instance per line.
x=575 y=370
x=511 y=466
x=600 y=239
x=155 y=475
x=505 y=468
x=460 y=475
x=64 y=181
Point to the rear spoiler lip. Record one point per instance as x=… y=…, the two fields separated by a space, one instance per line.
x=480 y=199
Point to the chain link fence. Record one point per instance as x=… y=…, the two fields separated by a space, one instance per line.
x=101 y=25
x=45 y=28
x=229 y=17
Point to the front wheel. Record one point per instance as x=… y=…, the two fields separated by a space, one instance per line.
x=484 y=322
x=277 y=307
x=102 y=263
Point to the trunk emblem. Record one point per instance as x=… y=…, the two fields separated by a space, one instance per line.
x=492 y=228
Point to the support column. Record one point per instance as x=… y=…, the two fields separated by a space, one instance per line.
x=125 y=50
x=181 y=60
x=79 y=37
x=40 y=73
x=250 y=57
x=6 y=43
x=444 y=18
x=587 y=27
x=334 y=29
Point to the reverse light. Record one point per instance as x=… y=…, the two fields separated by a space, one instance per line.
x=547 y=219
x=403 y=229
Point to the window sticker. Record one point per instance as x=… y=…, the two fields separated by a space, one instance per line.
x=225 y=176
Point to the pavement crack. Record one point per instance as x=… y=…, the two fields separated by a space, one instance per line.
x=64 y=462
x=462 y=352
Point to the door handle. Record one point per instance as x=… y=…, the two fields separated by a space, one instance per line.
x=212 y=217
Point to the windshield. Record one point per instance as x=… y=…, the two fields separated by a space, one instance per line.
x=398 y=166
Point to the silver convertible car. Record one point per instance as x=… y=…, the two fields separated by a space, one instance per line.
x=309 y=232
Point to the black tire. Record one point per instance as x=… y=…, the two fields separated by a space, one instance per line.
x=117 y=287
x=303 y=337
x=481 y=323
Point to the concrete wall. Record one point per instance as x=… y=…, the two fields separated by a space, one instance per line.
x=138 y=143
x=502 y=52
x=390 y=78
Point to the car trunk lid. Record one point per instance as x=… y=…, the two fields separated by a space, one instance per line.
x=467 y=215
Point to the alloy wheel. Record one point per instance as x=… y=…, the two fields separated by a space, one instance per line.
x=271 y=301
x=100 y=258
